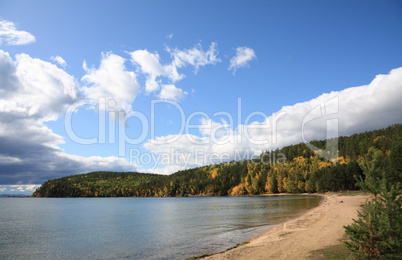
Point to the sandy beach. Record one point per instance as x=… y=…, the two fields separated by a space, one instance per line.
x=318 y=228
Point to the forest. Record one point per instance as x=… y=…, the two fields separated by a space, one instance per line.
x=299 y=170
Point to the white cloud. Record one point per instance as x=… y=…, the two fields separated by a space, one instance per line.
x=11 y=36
x=59 y=60
x=34 y=87
x=112 y=81
x=98 y=163
x=149 y=62
x=195 y=56
x=19 y=189
x=349 y=111
x=31 y=187
x=243 y=56
x=210 y=128
x=149 y=65
x=8 y=78
x=157 y=74
x=33 y=92
x=170 y=92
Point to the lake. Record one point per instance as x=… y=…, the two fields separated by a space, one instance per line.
x=137 y=228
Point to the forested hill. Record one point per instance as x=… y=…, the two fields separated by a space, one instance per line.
x=303 y=171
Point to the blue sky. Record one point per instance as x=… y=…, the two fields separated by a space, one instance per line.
x=202 y=57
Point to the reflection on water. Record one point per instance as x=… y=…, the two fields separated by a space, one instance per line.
x=137 y=228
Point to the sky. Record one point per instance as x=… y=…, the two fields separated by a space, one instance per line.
x=161 y=86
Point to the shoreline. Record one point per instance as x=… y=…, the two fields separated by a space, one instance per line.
x=315 y=229
x=323 y=200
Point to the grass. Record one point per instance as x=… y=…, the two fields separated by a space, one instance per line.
x=198 y=257
x=284 y=234
x=205 y=255
x=240 y=244
x=332 y=253
x=336 y=252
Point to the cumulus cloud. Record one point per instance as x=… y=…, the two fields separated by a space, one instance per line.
x=8 y=77
x=148 y=62
x=11 y=36
x=18 y=189
x=59 y=60
x=242 y=58
x=170 y=92
x=161 y=76
x=95 y=163
x=34 y=92
x=35 y=88
x=111 y=81
x=39 y=162
x=150 y=65
x=208 y=127
x=345 y=112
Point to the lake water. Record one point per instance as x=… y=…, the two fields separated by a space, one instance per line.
x=137 y=228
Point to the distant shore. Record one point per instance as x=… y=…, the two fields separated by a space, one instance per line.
x=318 y=228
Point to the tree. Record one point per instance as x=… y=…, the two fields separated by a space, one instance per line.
x=364 y=232
x=309 y=187
x=273 y=184
x=395 y=158
x=353 y=172
x=371 y=182
x=377 y=234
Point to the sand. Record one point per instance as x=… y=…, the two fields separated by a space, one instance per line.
x=318 y=228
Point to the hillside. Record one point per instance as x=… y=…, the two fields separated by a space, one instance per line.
x=304 y=171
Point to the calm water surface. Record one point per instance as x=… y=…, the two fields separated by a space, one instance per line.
x=137 y=228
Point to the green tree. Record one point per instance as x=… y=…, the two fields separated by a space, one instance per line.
x=395 y=158
x=377 y=233
x=372 y=178
x=309 y=187
x=273 y=184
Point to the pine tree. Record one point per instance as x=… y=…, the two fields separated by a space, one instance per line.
x=363 y=233
x=372 y=178
x=391 y=200
x=377 y=233
x=395 y=172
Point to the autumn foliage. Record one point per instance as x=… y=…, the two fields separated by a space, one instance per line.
x=292 y=169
